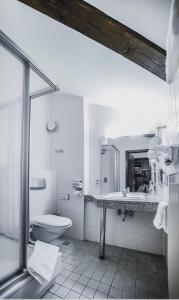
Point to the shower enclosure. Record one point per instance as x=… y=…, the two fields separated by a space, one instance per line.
x=17 y=89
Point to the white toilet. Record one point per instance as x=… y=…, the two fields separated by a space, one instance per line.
x=47 y=228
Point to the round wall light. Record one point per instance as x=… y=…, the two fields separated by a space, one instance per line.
x=51 y=126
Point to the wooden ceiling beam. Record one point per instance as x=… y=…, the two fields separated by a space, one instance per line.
x=103 y=29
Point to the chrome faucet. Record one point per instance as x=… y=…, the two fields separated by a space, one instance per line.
x=124 y=193
x=124 y=215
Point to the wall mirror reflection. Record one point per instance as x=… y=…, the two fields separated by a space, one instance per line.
x=138 y=171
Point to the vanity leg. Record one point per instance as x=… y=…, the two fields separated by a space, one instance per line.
x=102 y=233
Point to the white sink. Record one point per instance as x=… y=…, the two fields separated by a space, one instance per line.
x=136 y=195
x=129 y=196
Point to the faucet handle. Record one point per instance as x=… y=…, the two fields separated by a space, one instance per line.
x=124 y=192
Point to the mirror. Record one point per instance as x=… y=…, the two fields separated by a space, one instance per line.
x=138 y=171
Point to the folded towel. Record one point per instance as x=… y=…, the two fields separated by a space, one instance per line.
x=160 y=220
x=172 y=47
x=42 y=262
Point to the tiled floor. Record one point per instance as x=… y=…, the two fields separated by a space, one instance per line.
x=123 y=274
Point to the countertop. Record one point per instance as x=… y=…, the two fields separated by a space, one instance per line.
x=147 y=203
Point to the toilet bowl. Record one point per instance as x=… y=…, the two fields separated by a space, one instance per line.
x=47 y=228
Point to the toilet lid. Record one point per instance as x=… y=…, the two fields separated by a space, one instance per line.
x=51 y=221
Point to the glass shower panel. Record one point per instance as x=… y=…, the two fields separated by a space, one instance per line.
x=11 y=97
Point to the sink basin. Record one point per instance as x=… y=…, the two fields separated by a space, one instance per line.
x=129 y=196
x=136 y=195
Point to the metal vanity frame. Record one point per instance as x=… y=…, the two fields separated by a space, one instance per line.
x=103 y=204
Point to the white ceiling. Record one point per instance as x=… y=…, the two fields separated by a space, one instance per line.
x=80 y=66
x=147 y=17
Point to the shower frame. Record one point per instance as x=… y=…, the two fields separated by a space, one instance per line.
x=28 y=65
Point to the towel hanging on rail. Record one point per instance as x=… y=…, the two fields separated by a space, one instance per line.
x=160 y=220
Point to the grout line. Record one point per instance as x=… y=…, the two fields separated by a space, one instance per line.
x=113 y=262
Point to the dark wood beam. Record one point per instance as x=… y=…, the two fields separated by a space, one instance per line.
x=100 y=27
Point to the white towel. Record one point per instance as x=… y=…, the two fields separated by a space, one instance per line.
x=172 y=46
x=160 y=220
x=42 y=262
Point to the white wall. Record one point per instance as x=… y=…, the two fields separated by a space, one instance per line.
x=68 y=112
x=86 y=147
x=137 y=232
x=157 y=11
x=41 y=201
x=172 y=137
x=59 y=169
x=39 y=137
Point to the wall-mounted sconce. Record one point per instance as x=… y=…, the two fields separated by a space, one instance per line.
x=51 y=126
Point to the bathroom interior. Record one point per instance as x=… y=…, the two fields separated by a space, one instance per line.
x=89 y=153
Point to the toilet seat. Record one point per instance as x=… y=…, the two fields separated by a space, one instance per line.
x=51 y=221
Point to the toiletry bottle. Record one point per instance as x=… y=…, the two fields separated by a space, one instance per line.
x=128 y=189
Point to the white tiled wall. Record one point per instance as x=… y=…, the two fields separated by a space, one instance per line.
x=136 y=232
x=68 y=112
